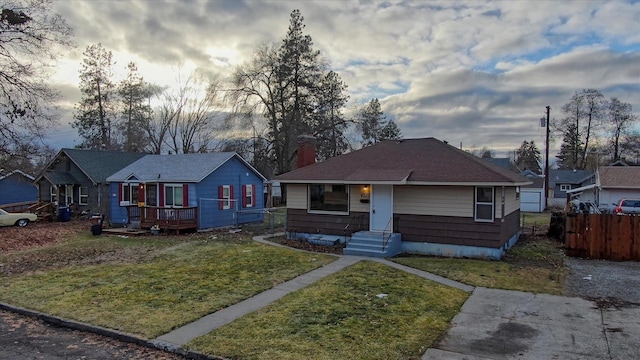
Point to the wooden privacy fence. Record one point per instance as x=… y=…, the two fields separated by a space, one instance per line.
x=603 y=236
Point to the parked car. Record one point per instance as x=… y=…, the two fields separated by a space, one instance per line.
x=627 y=206
x=18 y=219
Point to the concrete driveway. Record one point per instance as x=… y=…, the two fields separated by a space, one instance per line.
x=502 y=324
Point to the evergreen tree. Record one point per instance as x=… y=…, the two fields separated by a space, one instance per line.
x=390 y=131
x=286 y=85
x=330 y=123
x=95 y=113
x=135 y=110
x=373 y=125
x=570 y=150
x=528 y=157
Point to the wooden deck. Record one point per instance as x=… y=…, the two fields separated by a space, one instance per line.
x=166 y=218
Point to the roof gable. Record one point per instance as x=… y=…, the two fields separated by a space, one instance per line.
x=98 y=165
x=176 y=168
x=428 y=161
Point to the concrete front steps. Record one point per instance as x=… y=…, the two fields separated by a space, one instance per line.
x=369 y=243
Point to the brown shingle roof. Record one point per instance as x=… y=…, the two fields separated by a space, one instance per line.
x=414 y=160
x=619 y=176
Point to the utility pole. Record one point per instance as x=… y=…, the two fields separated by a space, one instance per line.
x=546 y=162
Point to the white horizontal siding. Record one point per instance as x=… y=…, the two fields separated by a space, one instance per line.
x=297 y=196
x=434 y=200
x=512 y=203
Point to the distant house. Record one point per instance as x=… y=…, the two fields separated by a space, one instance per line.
x=617 y=182
x=78 y=178
x=561 y=181
x=187 y=191
x=17 y=186
x=414 y=196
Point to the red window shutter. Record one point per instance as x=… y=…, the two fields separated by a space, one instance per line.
x=120 y=186
x=253 y=195
x=244 y=196
x=161 y=195
x=220 y=195
x=185 y=195
x=232 y=204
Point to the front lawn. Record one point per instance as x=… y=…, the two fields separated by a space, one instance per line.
x=366 y=311
x=170 y=287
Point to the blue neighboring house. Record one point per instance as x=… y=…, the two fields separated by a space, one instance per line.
x=17 y=187
x=561 y=181
x=187 y=191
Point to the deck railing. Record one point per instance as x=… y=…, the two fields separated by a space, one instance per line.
x=165 y=218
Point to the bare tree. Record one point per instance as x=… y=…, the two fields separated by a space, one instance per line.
x=583 y=115
x=620 y=119
x=188 y=117
x=30 y=33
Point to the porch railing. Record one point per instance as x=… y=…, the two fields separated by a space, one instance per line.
x=165 y=218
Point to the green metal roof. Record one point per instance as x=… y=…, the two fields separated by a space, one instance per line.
x=98 y=165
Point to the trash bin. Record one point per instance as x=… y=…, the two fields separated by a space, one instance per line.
x=96 y=229
x=64 y=213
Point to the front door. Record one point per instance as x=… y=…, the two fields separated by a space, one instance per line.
x=381 y=209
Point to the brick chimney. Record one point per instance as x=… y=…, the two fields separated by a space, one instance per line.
x=306 y=150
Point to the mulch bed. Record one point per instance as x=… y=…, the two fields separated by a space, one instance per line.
x=305 y=245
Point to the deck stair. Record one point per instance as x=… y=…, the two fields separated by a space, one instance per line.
x=374 y=244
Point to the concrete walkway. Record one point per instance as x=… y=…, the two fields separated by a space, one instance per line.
x=184 y=334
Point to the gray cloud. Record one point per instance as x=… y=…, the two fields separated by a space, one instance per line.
x=465 y=71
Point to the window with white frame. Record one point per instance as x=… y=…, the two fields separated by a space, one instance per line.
x=484 y=204
x=248 y=196
x=129 y=194
x=226 y=197
x=83 y=195
x=565 y=187
x=53 y=194
x=151 y=195
x=173 y=195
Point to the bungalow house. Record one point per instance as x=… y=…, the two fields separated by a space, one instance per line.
x=414 y=196
x=561 y=181
x=617 y=182
x=187 y=191
x=78 y=178
x=17 y=187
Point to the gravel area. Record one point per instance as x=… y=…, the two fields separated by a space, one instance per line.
x=613 y=282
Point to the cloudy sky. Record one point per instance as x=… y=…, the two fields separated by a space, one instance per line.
x=469 y=72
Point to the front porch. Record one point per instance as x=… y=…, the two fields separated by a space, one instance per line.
x=177 y=219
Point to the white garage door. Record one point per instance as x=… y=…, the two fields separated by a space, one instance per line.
x=531 y=201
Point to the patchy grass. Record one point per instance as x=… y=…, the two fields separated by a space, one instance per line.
x=537 y=220
x=171 y=287
x=341 y=317
x=533 y=264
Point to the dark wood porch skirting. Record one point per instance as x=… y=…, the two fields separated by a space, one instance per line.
x=166 y=218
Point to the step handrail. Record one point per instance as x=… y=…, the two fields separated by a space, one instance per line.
x=386 y=234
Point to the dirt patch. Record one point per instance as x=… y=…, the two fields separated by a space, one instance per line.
x=40 y=246
x=37 y=234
